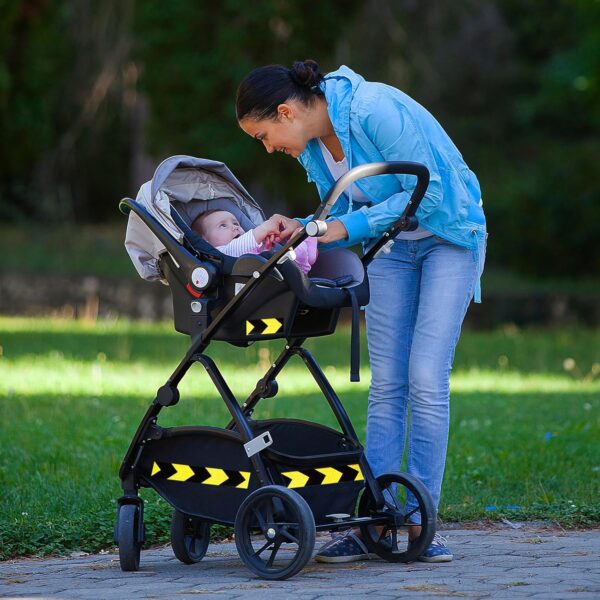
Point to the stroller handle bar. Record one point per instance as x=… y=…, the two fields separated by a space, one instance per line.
x=407 y=220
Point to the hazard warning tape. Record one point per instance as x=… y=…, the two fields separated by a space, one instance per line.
x=323 y=476
x=263 y=326
x=204 y=475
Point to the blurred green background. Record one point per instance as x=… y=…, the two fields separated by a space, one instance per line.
x=93 y=95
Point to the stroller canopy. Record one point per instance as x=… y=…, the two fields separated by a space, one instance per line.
x=189 y=186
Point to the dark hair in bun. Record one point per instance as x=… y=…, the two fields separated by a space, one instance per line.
x=264 y=89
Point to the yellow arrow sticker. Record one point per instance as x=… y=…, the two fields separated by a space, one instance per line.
x=273 y=326
x=182 y=472
x=244 y=484
x=297 y=479
x=155 y=469
x=359 y=476
x=331 y=475
x=217 y=476
x=249 y=327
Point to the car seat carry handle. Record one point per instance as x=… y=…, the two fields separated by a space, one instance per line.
x=198 y=274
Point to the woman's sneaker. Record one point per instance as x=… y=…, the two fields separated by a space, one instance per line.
x=437 y=551
x=347 y=548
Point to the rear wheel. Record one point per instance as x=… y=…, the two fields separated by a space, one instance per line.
x=407 y=501
x=190 y=537
x=275 y=532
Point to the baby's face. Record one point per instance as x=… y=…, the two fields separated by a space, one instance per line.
x=220 y=227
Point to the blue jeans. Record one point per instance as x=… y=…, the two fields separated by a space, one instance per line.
x=420 y=292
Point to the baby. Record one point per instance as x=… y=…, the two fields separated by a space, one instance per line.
x=221 y=229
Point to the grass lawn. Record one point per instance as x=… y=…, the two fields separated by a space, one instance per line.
x=524 y=440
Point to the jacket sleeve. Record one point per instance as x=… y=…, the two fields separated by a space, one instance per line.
x=398 y=137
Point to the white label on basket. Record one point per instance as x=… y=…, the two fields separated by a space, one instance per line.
x=258 y=443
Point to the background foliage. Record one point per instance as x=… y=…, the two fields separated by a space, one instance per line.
x=94 y=94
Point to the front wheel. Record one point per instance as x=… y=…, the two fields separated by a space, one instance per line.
x=407 y=501
x=275 y=532
x=128 y=536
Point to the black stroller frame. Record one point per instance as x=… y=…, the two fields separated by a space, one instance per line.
x=253 y=476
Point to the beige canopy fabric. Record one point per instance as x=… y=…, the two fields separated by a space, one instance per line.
x=190 y=186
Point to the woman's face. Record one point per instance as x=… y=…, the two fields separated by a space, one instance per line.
x=287 y=133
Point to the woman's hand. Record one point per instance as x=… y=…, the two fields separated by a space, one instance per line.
x=287 y=226
x=335 y=231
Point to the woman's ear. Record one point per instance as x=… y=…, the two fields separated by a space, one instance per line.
x=285 y=112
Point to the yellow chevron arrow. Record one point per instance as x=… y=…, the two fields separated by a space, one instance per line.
x=155 y=469
x=273 y=326
x=331 y=475
x=249 y=327
x=359 y=476
x=244 y=484
x=182 y=473
x=297 y=479
x=217 y=476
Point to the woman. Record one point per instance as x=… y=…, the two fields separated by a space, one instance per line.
x=421 y=288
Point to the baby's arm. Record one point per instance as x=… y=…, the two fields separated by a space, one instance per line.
x=245 y=244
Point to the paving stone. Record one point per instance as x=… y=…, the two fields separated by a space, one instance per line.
x=500 y=563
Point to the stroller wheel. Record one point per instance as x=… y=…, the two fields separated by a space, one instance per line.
x=189 y=537
x=128 y=536
x=275 y=532
x=405 y=499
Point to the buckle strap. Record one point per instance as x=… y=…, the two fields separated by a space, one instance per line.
x=354 y=338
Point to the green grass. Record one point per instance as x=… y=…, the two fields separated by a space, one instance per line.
x=525 y=426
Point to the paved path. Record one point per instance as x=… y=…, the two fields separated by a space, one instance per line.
x=497 y=562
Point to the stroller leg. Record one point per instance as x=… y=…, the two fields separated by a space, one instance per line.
x=266 y=387
x=238 y=417
x=342 y=417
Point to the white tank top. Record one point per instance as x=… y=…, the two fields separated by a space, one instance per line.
x=339 y=168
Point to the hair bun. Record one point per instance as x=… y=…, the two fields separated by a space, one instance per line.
x=306 y=73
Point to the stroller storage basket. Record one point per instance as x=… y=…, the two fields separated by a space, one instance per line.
x=319 y=463
x=205 y=472
x=201 y=471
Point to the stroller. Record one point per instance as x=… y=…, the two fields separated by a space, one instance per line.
x=277 y=481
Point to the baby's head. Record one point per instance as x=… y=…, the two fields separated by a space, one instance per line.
x=217 y=227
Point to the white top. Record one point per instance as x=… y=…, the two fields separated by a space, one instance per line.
x=339 y=168
x=245 y=244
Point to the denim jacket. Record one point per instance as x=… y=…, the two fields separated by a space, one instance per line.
x=376 y=122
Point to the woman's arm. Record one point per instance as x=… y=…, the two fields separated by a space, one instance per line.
x=397 y=136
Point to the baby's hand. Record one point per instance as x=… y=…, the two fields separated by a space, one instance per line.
x=270 y=240
x=269 y=230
